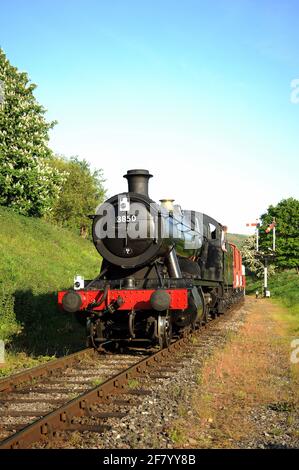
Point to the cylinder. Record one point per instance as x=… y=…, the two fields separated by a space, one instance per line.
x=138 y=181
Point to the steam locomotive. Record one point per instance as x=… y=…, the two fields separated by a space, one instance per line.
x=165 y=270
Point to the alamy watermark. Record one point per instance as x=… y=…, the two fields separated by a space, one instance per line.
x=295 y=91
x=138 y=221
x=295 y=351
x=1 y=92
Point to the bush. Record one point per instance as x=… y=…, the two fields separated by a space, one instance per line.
x=82 y=191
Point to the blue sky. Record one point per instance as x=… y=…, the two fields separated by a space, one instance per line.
x=198 y=92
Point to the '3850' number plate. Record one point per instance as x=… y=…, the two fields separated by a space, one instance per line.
x=126 y=218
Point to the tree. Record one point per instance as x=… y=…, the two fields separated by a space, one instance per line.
x=81 y=193
x=286 y=215
x=253 y=263
x=27 y=183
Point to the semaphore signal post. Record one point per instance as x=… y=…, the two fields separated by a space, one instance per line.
x=256 y=225
x=265 y=257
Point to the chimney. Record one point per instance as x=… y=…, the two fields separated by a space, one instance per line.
x=138 y=181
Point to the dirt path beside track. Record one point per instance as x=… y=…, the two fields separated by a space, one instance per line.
x=248 y=392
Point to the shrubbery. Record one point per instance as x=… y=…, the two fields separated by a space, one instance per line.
x=81 y=192
x=283 y=286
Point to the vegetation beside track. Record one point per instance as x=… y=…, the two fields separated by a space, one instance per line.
x=37 y=260
x=237 y=238
x=283 y=286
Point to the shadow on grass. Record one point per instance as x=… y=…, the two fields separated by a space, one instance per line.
x=45 y=329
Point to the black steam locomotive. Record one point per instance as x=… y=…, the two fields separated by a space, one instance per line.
x=164 y=270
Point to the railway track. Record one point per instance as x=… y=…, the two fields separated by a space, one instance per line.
x=70 y=393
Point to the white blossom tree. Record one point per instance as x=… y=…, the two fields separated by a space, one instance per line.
x=251 y=261
x=28 y=183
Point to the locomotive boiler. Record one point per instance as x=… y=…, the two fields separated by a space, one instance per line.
x=164 y=271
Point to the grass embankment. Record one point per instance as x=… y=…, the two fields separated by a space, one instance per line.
x=244 y=381
x=38 y=259
x=283 y=286
x=237 y=238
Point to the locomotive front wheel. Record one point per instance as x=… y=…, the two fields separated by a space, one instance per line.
x=208 y=315
x=95 y=338
x=164 y=330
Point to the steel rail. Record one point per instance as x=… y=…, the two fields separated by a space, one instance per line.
x=11 y=383
x=62 y=417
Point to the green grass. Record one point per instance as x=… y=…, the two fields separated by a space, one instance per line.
x=38 y=259
x=133 y=383
x=237 y=238
x=16 y=361
x=284 y=287
x=97 y=381
x=177 y=436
